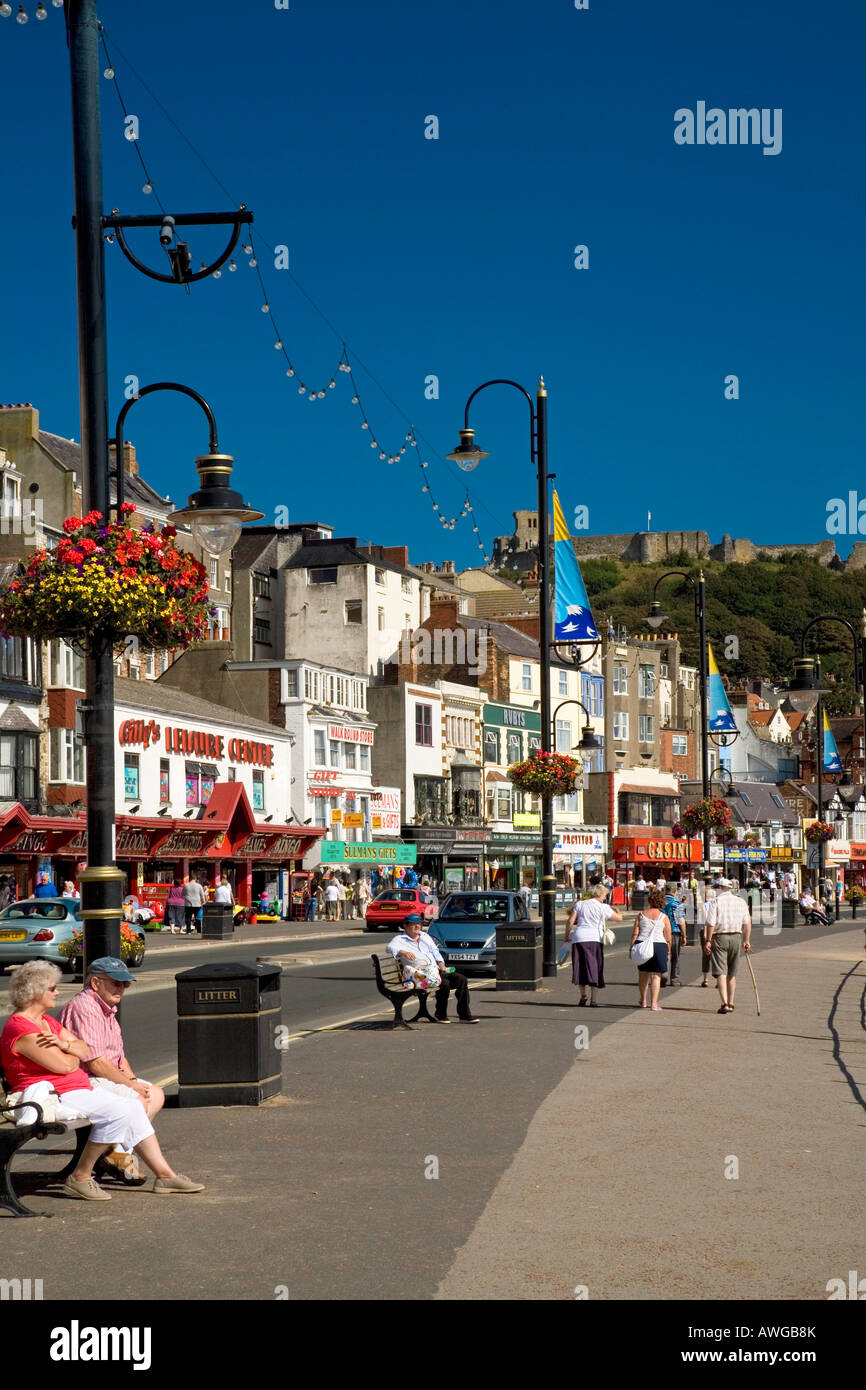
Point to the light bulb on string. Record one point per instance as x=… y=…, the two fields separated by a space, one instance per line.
x=321 y=395
x=5 y=10
x=147 y=187
x=290 y=371
x=278 y=345
x=402 y=451
x=365 y=425
x=217 y=274
x=253 y=261
x=302 y=390
x=383 y=456
x=21 y=15
x=331 y=385
x=233 y=265
x=110 y=238
x=58 y=4
x=266 y=308
x=41 y=12
x=248 y=250
x=356 y=400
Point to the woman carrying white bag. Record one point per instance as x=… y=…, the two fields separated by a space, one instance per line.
x=650 y=944
x=588 y=929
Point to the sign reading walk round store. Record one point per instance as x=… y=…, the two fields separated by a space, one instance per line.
x=363 y=852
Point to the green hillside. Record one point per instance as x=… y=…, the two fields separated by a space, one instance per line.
x=764 y=605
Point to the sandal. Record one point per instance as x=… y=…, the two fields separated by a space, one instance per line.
x=581 y=1003
x=657 y=1008
x=723 y=1009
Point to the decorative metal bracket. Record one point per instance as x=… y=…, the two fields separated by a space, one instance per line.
x=181 y=269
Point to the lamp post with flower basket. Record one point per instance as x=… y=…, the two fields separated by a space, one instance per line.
x=100 y=588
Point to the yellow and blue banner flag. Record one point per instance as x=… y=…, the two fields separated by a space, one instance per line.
x=573 y=621
x=721 y=720
x=832 y=761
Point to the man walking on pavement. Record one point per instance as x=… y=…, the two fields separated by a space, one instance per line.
x=729 y=927
x=193 y=900
x=412 y=944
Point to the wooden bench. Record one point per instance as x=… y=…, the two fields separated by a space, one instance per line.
x=13 y=1137
x=389 y=982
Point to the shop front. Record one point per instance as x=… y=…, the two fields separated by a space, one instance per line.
x=450 y=856
x=856 y=866
x=654 y=858
x=578 y=855
x=513 y=860
x=153 y=851
x=384 y=863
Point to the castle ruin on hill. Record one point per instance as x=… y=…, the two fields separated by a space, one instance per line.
x=516 y=552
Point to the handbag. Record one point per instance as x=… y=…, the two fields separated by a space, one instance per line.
x=644 y=947
x=609 y=936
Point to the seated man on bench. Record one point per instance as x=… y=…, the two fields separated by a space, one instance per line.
x=812 y=910
x=416 y=954
x=91 y=1015
x=34 y=1047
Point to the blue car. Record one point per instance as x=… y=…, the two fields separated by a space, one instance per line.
x=465 y=928
x=36 y=928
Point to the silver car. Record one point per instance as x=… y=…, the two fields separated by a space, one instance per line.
x=36 y=928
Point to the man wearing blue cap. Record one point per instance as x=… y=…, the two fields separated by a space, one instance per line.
x=92 y=1016
x=415 y=952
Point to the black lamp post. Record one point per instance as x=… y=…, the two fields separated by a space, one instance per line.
x=467 y=456
x=101 y=880
x=655 y=619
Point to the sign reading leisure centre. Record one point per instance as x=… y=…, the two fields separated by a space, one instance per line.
x=363 y=852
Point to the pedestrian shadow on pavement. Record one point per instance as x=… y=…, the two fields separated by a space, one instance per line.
x=837 y=1041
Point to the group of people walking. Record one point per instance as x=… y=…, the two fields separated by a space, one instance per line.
x=336 y=898
x=658 y=936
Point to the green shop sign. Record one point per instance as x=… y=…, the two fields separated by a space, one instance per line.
x=512 y=717
x=361 y=852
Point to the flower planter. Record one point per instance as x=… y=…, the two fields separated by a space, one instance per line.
x=546 y=774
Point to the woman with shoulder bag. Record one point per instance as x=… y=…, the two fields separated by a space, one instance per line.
x=649 y=947
x=587 y=925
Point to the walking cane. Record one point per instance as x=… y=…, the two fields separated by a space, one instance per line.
x=754 y=981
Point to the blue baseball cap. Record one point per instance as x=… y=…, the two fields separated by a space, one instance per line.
x=413 y=917
x=110 y=966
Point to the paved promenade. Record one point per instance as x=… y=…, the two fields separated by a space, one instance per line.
x=603 y=1167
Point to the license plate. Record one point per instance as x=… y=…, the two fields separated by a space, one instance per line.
x=463 y=955
x=13 y=936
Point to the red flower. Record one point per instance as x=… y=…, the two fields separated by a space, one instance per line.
x=127 y=507
x=128 y=572
x=71 y=524
x=72 y=557
x=87 y=545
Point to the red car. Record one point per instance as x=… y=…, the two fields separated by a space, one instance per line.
x=391 y=908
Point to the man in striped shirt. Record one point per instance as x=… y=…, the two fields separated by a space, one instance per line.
x=729 y=927
x=92 y=1016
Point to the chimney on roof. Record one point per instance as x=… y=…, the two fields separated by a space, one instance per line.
x=19 y=424
x=397 y=554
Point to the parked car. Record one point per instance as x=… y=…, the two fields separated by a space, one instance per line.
x=391 y=908
x=36 y=928
x=465 y=929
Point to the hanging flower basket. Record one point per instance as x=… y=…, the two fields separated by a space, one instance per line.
x=678 y=830
x=724 y=835
x=546 y=774
x=819 y=832
x=110 y=581
x=709 y=813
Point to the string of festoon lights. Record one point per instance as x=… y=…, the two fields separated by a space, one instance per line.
x=22 y=16
x=249 y=249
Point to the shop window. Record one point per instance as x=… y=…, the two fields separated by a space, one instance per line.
x=19 y=756
x=164 y=780
x=258 y=790
x=354 y=610
x=319 y=747
x=131 y=777
x=424 y=725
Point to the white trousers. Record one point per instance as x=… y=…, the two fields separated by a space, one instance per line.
x=115 y=1119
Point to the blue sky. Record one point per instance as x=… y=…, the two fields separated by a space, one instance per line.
x=454 y=256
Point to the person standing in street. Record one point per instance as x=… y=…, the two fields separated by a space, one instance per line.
x=222 y=893
x=332 y=898
x=46 y=887
x=174 y=915
x=729 y=927
x=586 y=925
x=652 y=923
x=342 y=899
x=675 y=911
x=709 y=895
x=193 y=903
x=362 y=895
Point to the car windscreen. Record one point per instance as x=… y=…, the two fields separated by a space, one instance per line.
x=397 y=895
x=463 y=907
x=55 y=912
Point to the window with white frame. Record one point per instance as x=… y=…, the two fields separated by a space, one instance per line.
x=680 y=745
x=365 y=757
x=380 y=578
x=350 y=755
x=334 y=750
x=319 y=747
x=526 y=676
x=563 y=682
x=258 y=789
x=646 y=682
x=620 y=725
x=503 y=802
x=66 y=666
x=406 y=584
x=515 y=746
x=66 y=755
x=354 y=610
x=645 y=728
x=291 y=685
x=620 y=680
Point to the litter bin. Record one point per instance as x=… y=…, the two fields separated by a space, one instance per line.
x=518 y=955
x=639 y=899
x=790 y=912
x=228 y=1015
x=217 y=920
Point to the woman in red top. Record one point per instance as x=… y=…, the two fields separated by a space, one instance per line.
x=35 y=1047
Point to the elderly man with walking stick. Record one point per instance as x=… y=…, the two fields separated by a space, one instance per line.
x=728 y=928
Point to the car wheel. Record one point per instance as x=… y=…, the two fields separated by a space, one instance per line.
x=136 y=960
x=71 y=965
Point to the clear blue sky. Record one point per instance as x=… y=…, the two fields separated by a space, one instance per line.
x=454 y=256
